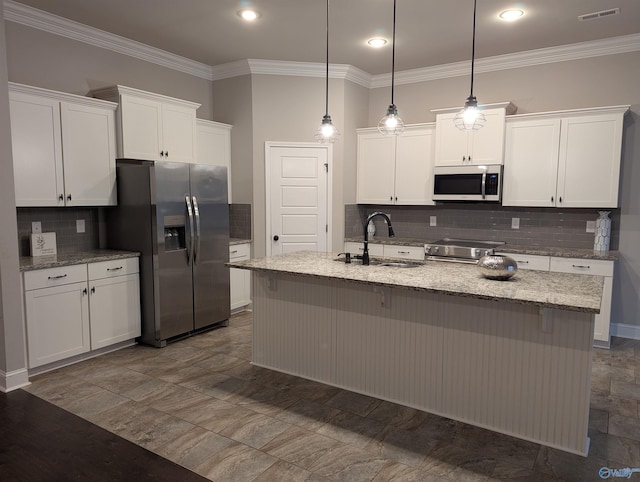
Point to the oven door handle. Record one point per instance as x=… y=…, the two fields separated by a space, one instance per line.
x=484 y=184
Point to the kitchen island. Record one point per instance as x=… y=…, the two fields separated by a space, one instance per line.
x=512 y=356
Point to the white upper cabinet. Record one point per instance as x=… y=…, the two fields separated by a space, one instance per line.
x=64 y=148
x=214 y=146
x=395 y=169
x=454 y=147
x=153 y=127
x=564 y=159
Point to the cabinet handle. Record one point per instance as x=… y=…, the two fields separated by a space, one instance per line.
x=234 y=251
x=581 y=266
x=469 y=158
x=403 y=252
x=396 y=198
x=61 y=197
x=93 y=289
x=551 y=198
x=60 y=276
x=114 y=269
x=161 y=153
x=390 y=198
x=464 y=158
x=522 y=262
x=68 y=197
x=84 y=291
x=560 y=199
x=166 y=154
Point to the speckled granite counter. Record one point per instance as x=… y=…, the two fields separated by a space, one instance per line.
x=546 y=289
x=27 y=263
x=234 y=241
x=507 y=248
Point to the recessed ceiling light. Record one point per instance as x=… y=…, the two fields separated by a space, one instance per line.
x=377 y=42
x=248 y=14
x=511 y=15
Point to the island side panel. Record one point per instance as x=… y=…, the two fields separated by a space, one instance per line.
x=294 y=325
x=389 y=345
x=508 y=370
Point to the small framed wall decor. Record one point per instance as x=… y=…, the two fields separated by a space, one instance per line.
x=43 y=244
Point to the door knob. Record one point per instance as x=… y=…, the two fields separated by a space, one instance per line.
x=276 y=237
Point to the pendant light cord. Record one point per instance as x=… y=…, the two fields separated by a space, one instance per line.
x=473 y=45
x=393 y=52
x=326 y=85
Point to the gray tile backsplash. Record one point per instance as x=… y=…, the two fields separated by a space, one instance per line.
x=62 y=221
x=240 y=221
x=538 y=226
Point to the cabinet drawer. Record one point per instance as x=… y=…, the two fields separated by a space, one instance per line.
x=46 y=278
x=530 y=261
x=404 y=252
x=114 y=267
x=240 y=251
x=358 y=248
x=582 y=266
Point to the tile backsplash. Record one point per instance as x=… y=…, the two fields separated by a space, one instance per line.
x=62 y=221
x=240 y=221
x=553 y=227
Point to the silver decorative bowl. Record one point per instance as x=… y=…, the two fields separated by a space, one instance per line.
x=497 y=267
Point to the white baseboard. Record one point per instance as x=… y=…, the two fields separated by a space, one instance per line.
x=14 y=380
x=625 y=331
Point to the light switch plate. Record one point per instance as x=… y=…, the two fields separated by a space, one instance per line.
x=36 y=227
x=591 y=226
x=515 y=223
x=432 y=221
x=80 y=225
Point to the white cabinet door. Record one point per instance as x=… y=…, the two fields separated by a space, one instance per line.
x=414 y=167
x=214 y=146
x=57 y=323
x=114 y=306
x=239 y=279
x=37 y=150
x=89 y=140
x=178 y=133
x=455 y=147
x=375 y=168
x=531 y=162
x=589 y=166
x=141 y=124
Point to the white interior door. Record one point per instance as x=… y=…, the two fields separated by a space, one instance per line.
x=297 y=199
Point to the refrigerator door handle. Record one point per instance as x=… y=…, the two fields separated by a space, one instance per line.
x=190 y=213
x=196 y=211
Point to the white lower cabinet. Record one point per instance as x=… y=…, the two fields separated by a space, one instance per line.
x=114 y=302
x=240 y=279
x=596 y=267
x=69 y=311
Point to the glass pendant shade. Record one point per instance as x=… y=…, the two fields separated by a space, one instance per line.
x=470 y=118
x=327 y=133
x=391 y=124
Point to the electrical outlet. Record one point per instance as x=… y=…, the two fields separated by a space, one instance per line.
x=79 y=225
x=591 y=226
x=36 y=227
x=515 y=223
x=432 y=221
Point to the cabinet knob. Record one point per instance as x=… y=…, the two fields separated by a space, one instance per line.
x=464 y=158
x=469 y=158
x=276 y=237
x=166 y=154
x=84 y=291
x=396 y=198
x=93 y=289
x=390 y=198
x=161 y=153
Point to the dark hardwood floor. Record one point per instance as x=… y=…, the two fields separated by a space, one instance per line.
x=41 y=442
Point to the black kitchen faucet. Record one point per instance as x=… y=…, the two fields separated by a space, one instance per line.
x=365 y=252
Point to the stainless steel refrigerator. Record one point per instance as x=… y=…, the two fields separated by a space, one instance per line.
x=177 y=216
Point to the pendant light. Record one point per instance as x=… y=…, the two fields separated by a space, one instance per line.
x=327 y=133
x=470 y=118
x=391 y=124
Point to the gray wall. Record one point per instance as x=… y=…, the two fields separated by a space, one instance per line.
x=12 y=336
x=599 y=81
x=41 y=59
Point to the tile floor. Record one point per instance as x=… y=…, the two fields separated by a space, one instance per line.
x=199 y=403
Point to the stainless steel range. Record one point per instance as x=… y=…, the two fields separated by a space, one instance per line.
x=460 y=250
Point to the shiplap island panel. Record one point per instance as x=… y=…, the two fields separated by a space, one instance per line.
x=517 y=361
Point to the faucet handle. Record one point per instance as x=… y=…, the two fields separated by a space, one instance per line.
x=347 y=257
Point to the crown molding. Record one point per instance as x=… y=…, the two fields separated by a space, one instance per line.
x=32 y=17
x=48 y=22
x=563 y=53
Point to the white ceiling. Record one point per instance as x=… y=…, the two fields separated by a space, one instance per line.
x=428 y=32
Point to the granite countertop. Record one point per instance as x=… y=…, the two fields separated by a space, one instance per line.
x=566 y=291
x=28 y=263
x=507 y=248
x=234 y=241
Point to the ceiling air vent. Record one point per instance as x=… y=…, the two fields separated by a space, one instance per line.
x=603 y=13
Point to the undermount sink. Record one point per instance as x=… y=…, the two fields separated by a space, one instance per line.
x=388 y=264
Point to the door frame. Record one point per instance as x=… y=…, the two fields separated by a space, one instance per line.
x=268 y=145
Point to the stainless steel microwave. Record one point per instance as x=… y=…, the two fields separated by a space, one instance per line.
x=467 y=183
